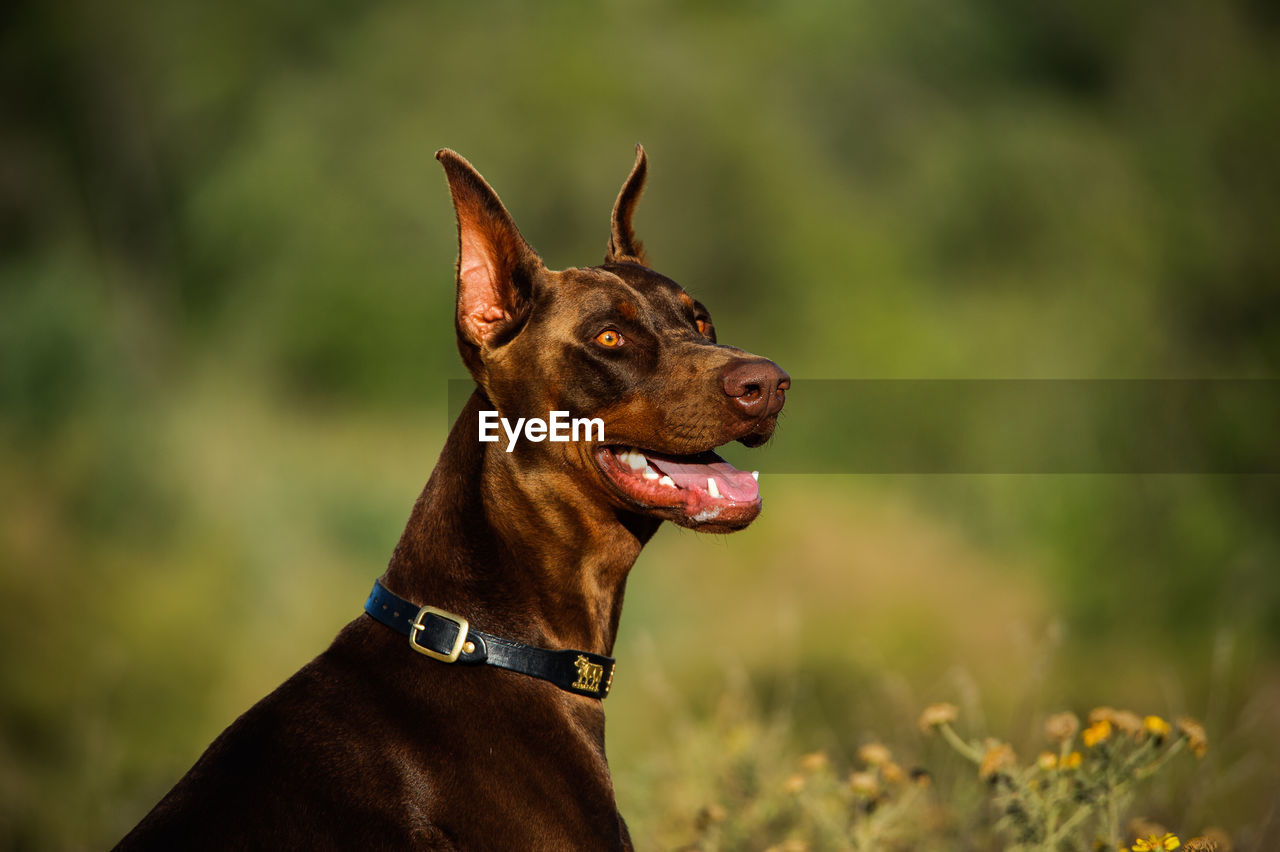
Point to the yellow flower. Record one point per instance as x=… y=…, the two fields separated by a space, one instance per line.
x=937 y=714
x=1101 y=714
x=1156 y=727
x=1047 y=760
x=1151 y=843
x=794 y=784
x=874 y=754
x=814 y=761
x=1061 y=727
x=1072 y=761
x=998 y=756
x=1126 y=722
x=1096 y=733
x=1194 y=732
x=892 y=773
x=864 y=784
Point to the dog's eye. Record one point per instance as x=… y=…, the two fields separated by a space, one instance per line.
x=610 y=338
x=704 y=327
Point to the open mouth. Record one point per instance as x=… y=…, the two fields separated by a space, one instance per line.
x=695 y=490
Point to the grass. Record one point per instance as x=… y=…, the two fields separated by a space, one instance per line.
x=212 y=544
x=732 y=778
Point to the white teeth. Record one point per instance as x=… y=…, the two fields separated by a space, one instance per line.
x=650 y=473
x=712 y=489
x=667 y=481
x=633 y=460
x=755 y=474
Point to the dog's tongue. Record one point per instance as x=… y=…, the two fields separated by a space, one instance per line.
x=731 y=483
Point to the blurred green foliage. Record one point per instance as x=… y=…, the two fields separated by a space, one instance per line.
x=225 y=331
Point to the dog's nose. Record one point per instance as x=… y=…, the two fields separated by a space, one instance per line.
x=756 y=385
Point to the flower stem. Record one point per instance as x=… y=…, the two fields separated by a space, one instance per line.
x=1150 y=769
x=960 y=745
x=1065 y=829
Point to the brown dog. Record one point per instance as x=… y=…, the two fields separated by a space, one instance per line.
x=509 y=577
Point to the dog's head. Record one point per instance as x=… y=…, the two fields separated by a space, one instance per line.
x=618 y=343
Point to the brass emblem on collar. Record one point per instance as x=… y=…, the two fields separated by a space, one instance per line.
x=589 y=675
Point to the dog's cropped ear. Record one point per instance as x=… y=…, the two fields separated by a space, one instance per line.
x=496 y=267
x=623 y=245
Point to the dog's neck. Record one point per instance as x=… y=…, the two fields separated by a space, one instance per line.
x=522 y=552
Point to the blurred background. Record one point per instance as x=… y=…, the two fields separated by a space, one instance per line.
x=226 y=287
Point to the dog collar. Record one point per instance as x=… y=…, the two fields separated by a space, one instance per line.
x=449 y=638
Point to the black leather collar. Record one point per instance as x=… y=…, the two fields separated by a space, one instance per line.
x=449 y=638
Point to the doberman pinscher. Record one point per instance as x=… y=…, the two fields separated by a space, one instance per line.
x=485 y=730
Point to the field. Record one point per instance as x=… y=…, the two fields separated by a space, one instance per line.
x=1020 y=263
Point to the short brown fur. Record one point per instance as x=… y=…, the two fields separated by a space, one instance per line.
x=373 y=746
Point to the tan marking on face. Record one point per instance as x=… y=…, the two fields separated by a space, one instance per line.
x=686 y=299
x=627 y=310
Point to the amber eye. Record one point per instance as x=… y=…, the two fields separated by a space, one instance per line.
x=609 y=338
x=704 y=328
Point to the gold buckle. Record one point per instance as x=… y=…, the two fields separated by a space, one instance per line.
x=456 y=651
